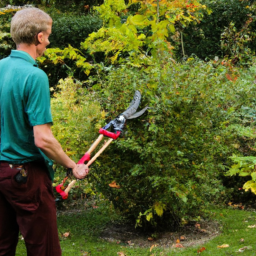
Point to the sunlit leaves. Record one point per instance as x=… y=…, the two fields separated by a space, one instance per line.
x=245 y=166
x=114 y=38
x=58 y=56
x=74 y=124
x=134 y=39
x=159 y=208
x=138 y=20
x=250 y=185
x=108 y=11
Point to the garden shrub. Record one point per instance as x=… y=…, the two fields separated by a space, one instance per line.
x=122 y=34
x=235 y=45
x=169 y=162
x=6 y=42
x=72 y=29
x=64 y=5
x=77 y=117
x=243 y=164
x=204 y=39
x=68 y=30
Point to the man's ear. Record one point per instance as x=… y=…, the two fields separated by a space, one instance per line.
x=40 y=37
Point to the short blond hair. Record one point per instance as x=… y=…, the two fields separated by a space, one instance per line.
x=27 y=23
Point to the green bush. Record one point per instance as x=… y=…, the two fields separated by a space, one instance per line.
x=6 y=42
x=64 y=5
x=69 y=30
x=77 y=118
x=170 y=162
x=236 y=44
x=204 y=39
x=72 y=29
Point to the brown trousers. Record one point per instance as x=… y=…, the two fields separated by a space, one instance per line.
x=29 y=209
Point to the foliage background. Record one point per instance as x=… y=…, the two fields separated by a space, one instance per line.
x=171 y=163
x=204 y=39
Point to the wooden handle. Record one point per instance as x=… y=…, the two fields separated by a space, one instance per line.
x=95 y=144
x=70 y=185
x=99 y=152
x=87 y=155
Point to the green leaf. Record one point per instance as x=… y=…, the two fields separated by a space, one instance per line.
x=253 y=176
x=243 y=174
x=171 y=28
x=149 y=216
x=138 y=20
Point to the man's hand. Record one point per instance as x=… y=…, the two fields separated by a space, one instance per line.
x=80 y=171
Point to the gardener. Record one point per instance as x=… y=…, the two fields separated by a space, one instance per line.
x=27 y=143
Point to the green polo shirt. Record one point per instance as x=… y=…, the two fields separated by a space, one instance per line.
x=24 y=103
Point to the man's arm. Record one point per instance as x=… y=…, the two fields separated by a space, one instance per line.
x=45 y=140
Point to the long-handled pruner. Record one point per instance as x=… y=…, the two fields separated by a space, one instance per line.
x=118 y=126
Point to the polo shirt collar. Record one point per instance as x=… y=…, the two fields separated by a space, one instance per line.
x=23 y=55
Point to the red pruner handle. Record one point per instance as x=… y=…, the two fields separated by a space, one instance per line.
x=86 y=157
x=59 y=188
x=111 y=135
x=62 y=193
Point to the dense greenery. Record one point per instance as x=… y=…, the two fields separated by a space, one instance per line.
x=170 y=164
x=70 y=29
x=77 y=118
x=63 y=5
x=204 y=38
x=6 y=43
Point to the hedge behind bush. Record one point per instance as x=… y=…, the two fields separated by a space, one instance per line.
x=203 y=39
x=72 y=29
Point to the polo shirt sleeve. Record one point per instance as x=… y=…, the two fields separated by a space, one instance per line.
x=37 y=100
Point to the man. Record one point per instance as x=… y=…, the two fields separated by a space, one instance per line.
x=27 y=144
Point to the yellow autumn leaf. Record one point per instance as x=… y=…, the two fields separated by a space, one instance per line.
x=159 y=208
x=149 y=216
x=139 y=20
x=223 y=246
x=141 y=37
x=250 y=185
x=103 y=114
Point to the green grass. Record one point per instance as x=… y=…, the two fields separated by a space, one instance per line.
x=85 y=227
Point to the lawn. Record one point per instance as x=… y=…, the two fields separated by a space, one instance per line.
x=80 y=232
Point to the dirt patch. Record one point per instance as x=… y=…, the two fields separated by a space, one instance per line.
x=187 y=236
x=192 y=235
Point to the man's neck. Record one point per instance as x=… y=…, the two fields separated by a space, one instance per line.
x=30 y=49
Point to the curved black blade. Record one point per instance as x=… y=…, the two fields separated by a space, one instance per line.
x=133 y=105
x=138 y=113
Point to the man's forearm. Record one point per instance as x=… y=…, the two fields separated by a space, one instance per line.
x=45 y=140
x=54 y=151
